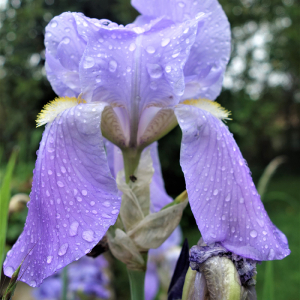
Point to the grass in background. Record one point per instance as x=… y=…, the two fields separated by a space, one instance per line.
x=4 y=202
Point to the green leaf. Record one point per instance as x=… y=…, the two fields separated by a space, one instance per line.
x=4 y=202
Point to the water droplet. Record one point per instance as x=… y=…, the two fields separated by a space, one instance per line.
x=67 y=29
x=253 y=233
x=84 y=192
x=58 y=201
x=165 y=42
x=92 y=203
x=265 y=233
x=88 y=235
x=32 y=283
x=271 y=254
x=132 y=47
x=215 y=192
x=260 y=222
x=154 y=70
x=168 y=69
x=88 y=62
x=79 y=199
x=223 y=217
x=242 y=200
x=63 y=169
x=66 y=40
x=232 y=229
x=60 y=184
x=8 y=271
x=50 y=172
x=112 y=67
x=213 y=235
x=106 y=216
x=73 y=228
x=241 y=162
x=181 y=4
x=53 y=24
x=63 y=249
x=150 y=49
x=115 y=211
x=106 y=204
x=128 y=69
x=49 y=259
x=228 y=198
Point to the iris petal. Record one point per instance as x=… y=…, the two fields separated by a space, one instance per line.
x=221 y=192
x=135 y=67
x=74 y=198
x=64 y=50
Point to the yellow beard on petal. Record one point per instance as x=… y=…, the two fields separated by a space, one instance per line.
x=55 y=107
x=213 y=107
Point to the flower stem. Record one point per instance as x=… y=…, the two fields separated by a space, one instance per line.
x=131 y=159
x=64 y=284
x=137 y=282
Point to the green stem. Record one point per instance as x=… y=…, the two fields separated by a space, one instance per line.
x=131 y=157
x=137 y=281
x=65 y=284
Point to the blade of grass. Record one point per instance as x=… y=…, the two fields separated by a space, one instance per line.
x=4 y=202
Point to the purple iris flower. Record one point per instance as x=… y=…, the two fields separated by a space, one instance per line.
x=87 y=276
x=133 y=80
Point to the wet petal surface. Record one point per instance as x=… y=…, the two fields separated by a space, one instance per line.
x=221 y=192
x=73 y=200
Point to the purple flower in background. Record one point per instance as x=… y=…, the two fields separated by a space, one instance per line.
x=87 y=276
x=134 y=81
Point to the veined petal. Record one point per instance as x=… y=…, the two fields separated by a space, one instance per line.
x=221 y=192
x=74 y=198
x=136 y=67
x=64 y=50
x=158 y=196
x=209 y=54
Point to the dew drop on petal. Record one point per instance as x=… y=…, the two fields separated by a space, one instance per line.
x=168 y=69
x=265 y=233
x=106 y=216
x=106 y=204
x=32 y=283
x=253 y=233
x=228 y=198
x=215 y=193
x=112 y=66
x=165 y=42
x=63 y=249
x=223 y=217
x=60 y=184
x=88 y=235
x=88 y=62
x=53 y=24
x=49 y=259
x=73 y=228
x=154 y=70
x=242 y=200
x=260 y=222
x=92 y=203
x=132 y=47
x=66 y=40
x=84 y=192
x=150 y=49
x=9 y=271
x=115 y=211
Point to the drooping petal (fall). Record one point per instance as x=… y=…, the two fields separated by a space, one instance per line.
x=74 y=198
x=64 y=50
x=221 y=192
x=209 y=54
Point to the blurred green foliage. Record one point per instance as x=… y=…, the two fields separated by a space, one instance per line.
x=261 y=89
